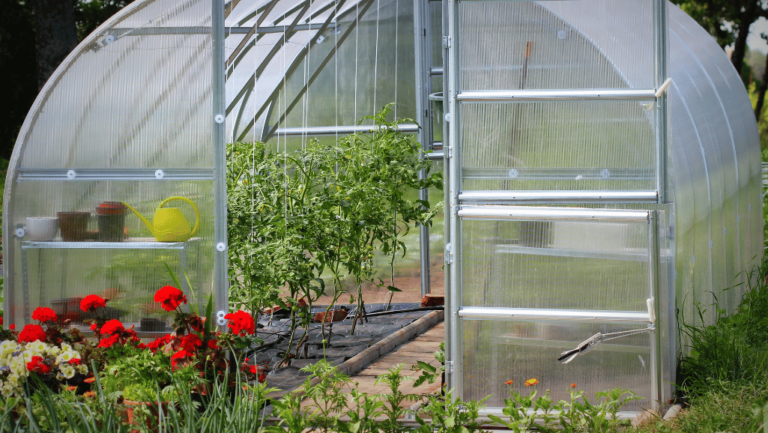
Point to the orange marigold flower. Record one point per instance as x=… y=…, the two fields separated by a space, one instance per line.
x=89 y=380
x=89 y=394
x=573 y=385
x=509 y=382
x=531 y=382
x=71 y=388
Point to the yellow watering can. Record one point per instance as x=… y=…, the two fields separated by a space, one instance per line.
x=169 y=224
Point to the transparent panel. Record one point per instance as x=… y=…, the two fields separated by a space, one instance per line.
x=437 y=237
x=129 y=268
x=555 y=264
x=595 y=145
x=495 y=352
x=555 y=45
x=436 y=26
x=134 y=98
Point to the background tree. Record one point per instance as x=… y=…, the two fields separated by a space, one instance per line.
x=729 y=22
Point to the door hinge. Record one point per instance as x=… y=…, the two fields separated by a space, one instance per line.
x=446 y=42
x=448 y=254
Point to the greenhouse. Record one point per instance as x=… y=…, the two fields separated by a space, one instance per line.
x=601 y=164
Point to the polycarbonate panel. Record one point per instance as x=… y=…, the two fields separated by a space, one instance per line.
x=587 y=145
x=131 y=99
x=495 y=352
x=555 y=264
x=334 y=77
x=44 y=275
x=527 y=45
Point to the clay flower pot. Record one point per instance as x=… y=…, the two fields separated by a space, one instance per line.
x=73 y=225
x=111 y=215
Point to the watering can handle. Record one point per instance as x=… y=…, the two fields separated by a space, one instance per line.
x=191 y=203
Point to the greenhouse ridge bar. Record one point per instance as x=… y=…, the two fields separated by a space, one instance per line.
x=601 y=165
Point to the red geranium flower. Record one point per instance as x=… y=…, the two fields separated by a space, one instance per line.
x=94 y=327
x=112 y=327
x=44 y=314
x=92 y=302
x=37 y=365
x=75 y=361
x=241 y=322
x=170 y=297
x=32 y=333
x=213 y=344
x=109 y=342
x=159 y=342
x=1 y=320
x=12 y=327
x=191 y=343
x=178 y=356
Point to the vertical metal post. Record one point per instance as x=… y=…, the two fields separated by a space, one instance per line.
x=422 y=64
x=659 y=323
x=446 y=200
x=451 y=43
x=660 y=76
x=218 y=119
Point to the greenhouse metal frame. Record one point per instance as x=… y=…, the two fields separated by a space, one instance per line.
x=544 y=247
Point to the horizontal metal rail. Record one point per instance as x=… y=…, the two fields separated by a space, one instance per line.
x=602 y=174
x=622 y=415
x=512 y=197
x=202 y=30
x=528 y=213
x=117 y=174
x=637 y=256
x=529 y=314
x=408 y=128
x=557 y=95
x=436 y=71
x=128 y=244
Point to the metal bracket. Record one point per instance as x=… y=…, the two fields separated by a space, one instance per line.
x=446 y=42
x=595 y=340
x=448 y=254
x=449 y=367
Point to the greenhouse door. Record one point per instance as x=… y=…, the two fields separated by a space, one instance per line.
x=556 y=183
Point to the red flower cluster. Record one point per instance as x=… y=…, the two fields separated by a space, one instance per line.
x=241 y=322
x=32 y=333
x=92 y=302
x=191 y=343
x=38 y=366
x=112 y=327
x=179 y=357
x=170 y=298
x=160 y=342
x=1 y=320
x=109 y=341
x=75 y=361
x=44 y=314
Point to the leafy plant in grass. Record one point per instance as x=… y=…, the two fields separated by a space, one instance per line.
x=733 y=349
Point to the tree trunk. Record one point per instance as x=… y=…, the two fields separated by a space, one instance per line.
x=746 y=19
x=55 y=35
x=761 y=92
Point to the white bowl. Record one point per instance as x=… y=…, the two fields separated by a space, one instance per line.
x=42 y=228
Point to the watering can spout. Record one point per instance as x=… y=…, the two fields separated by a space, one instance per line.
x=142 y=218
x=169 y=224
